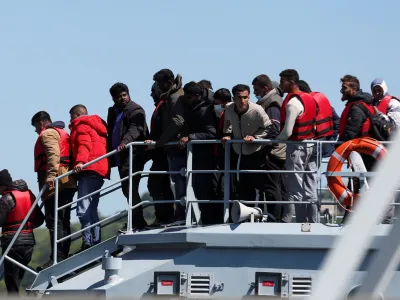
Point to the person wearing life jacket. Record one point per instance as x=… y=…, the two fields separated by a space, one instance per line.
x=88 y=142
x=298 y=121
x=354 y=122
x=270 y=100
x=388 y=105
x=159 y=185
x=15 y=202
x=327 y=127
x=52 y=159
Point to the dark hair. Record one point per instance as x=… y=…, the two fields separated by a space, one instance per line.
x=78 y=107
x=40 y=116
x=192 y=88
x=304 y=87
x=352 y=80
x=205 y=84
x=290 y=74
x=118 y=88
x=240 y=88
x=262 y=80
x=224 y=95
x=164 y=75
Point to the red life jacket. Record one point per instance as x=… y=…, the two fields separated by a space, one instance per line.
x=324 y=120
x=23 y=203
x=344 y=118
x=40 y=153
x=304 y=127
x=384 y=104
x=153 y=117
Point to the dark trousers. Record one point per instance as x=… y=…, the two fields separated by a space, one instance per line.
x=138 y=221
x=260 y=186
x=159 y=186
x=204 y=187
x=63 y=222
x=13 y=274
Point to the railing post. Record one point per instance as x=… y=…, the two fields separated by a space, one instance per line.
x=55 y=236
x=227 y=180
x=129 y=224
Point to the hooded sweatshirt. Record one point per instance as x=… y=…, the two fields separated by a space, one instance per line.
x=7 y=204
x=88 y=142
x=393 y=112
x=356 y=116
x=272 y=103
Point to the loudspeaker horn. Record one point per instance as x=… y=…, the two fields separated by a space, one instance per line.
x=241 y=212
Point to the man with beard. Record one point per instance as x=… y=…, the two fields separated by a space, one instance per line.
x=126 y=123
x=159 y=185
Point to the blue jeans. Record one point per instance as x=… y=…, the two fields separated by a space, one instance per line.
x=177 y=161
x=87 y=208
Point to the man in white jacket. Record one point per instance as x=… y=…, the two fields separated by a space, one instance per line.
x=248 y=121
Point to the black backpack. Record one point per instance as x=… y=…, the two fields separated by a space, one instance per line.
x=381 y=129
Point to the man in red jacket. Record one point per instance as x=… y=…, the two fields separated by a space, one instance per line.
x=88 y=142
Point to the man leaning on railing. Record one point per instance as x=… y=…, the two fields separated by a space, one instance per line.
x=15 y=203
x=88 y=142
x=52 y=159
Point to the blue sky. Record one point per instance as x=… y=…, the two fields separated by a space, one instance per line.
x=56 y=54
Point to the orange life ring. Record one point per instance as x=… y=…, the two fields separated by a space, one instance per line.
x=336 y=185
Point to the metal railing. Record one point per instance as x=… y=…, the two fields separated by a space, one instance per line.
x=191 y=201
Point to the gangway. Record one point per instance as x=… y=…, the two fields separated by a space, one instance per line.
x=229 y=260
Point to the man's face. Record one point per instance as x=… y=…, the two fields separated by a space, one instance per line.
x=347 y=91
x=241 y=100
x=285 y=85
x=122 y=99
x=38 y=126
x=155 y=93
x=259 y=90
x=73 y=116
x=164 y=86
x=192 y=99
x=377 y=92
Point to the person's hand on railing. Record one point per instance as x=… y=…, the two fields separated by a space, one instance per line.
x=150 y=147
x=50 y=182
x=78 y=168
x=121 y=147
x=183 y=141
x=225 y=139
x=248 y=139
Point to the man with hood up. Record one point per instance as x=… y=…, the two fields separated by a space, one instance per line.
x=271 y=100
x=126 y=123
x=201 y=123
x=88 y=142
x=173 y=121
x=385 y=103
x=52 y=159
x=15 y=202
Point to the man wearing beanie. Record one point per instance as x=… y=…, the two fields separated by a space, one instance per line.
x=126 y=123
x=15 y=203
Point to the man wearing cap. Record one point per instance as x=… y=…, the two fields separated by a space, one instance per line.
x=15 y=203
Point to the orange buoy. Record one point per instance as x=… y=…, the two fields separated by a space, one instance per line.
x=336 y=185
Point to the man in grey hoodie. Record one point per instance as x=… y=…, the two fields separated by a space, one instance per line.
x=271 y=100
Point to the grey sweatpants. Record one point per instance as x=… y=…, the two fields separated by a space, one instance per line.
x=301 y=186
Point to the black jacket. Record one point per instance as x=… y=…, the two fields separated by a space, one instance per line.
x=356 y=117
x=7 y=204
x=202 y=124
x=133 y=129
